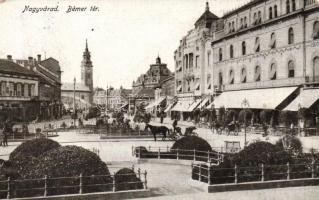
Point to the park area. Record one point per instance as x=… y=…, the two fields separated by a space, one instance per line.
x=164 y=180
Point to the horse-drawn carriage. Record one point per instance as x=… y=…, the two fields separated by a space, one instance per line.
x=169 y=133
x=229 y=129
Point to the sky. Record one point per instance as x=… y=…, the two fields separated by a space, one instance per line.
x=124 y=36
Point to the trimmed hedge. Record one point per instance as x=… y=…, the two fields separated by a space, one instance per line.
x=126 y=179
x=25 y=155
x=191 y=143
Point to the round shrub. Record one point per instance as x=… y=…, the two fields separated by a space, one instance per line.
x=186 y=146
x=25 y=155
x=191 y=143
x=290 y=143
x=126 y=179
x=71 y=161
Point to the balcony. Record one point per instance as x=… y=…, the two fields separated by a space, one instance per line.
x=266 y=84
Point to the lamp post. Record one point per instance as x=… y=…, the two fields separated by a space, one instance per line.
x=245 y=105
x=74 y=82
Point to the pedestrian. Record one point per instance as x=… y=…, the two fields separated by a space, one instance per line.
x=174 y=125
x=5 y=132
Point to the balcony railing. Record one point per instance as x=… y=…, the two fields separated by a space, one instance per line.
x=311 y=2
x=266 y=84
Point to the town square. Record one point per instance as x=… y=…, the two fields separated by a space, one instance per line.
x=159 y=99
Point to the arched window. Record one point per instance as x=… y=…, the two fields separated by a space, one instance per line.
x=220 y=78
x=275 y=11
x=288 y=6
x=257 y=45
x=243 y=78
x=243 y=47
x=272 y=44
x=259 y=17
x=231 y=77
x=245 y=22
x=315 y=34
x=231 y=51
x=270 y=12
x=220 y=54
x=293 y=5
x=257 y=73
x=290 y=36
x=291 y=69
x=273 y=72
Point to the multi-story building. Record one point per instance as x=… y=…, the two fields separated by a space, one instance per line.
x=262 y=55
x=84 y=90
x=19 y=92
x=118 y=98
x=100 y=97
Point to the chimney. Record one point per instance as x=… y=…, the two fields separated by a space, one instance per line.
x=9 y=57
x=39 y=57
x=30 y=63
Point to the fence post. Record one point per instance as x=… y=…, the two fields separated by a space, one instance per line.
x=159 y=153
x=114 y=189
x=208 y=156
x=262 y=173
x=288 y=171
x=145 y=179
x=45 y=186
x=313 y=169
x=194 y=155
x=8 y=188
x=236 y=177
x=199 y=172
x=139 y=173
x=177 y=154
x=208 y=174
x=80 y=190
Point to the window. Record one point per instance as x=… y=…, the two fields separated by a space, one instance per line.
x=231 y=77
x=255 y=18
x=270 y=12
x=11 y=89
x=315 y=34
x=243 y=47
x=291 y=36
x=291 y=69
x=26 y=90
x=32 y=91
x=275 y=11
x=208 y=58
x=293 y=5
x=272 y=41
x=196 y=61
x=243 y=75
x=245 y=22
x=231 y=51
x=241 y=23
x=257 y=45
x=18 y=89
x=220 y=78
x=220 y=54
x=288 y=6
x=273 y=71
x=229 y=27
x=233 y=26
x=3 y=89
x=82 y=96
x=259 y=17
x=257 y=73
x=191 y=60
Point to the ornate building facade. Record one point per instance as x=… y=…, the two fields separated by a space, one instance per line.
x=84 y=91
x=267 y=47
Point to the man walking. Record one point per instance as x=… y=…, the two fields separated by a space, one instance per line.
x=6 y=131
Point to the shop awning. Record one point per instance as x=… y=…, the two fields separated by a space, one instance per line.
x=168 y=108
x=182 y=106
x=268 y=98
x=305 y=99
x=194 y=105
x=155 y=103
x=204 y=102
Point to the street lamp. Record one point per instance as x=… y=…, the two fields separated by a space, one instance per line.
x=245 y=105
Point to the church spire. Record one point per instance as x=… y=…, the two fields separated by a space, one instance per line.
x=207 y=6
x=86 y=45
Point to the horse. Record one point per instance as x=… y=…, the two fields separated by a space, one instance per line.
x=157 y=130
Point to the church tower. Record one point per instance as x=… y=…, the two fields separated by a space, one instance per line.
x=87 y=71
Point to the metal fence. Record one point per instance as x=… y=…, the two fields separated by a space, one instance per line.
x=215 y=158
x=241 y=174
x=49 y=186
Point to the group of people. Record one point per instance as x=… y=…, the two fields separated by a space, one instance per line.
x=6 y=130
